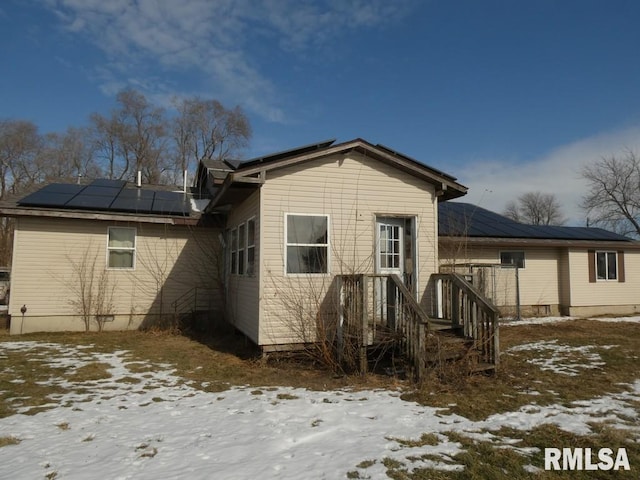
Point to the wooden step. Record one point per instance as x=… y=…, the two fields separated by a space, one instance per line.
x=483 y=367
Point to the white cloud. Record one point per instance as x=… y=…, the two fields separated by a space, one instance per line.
x=214 y=37
x=493 y=183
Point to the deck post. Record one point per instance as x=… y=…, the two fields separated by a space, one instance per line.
x=364 y=323
x=496 y=340
x=340 y=321
x=392 y=301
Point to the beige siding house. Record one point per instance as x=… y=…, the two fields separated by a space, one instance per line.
x=560 y=270
x=297 y=219
x=105 y=268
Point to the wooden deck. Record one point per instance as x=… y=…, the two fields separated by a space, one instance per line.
x=379 y=309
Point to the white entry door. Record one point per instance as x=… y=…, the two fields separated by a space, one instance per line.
x=390 y=254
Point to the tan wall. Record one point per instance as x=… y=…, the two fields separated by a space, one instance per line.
x=48 y=254
x=243 y=292
x=539 y=280
x=352 y=190
x=604 y=297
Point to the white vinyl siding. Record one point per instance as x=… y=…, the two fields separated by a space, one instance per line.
x=243 y=291
x=168 y=263
x=351 y=190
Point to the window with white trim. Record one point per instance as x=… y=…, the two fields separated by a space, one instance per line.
x=121 y=247
x=242 y=241
x=515 y=258
x=606 y=266
x=251 y=247
x=234 y=251
x=307 y=243
x=243 y=248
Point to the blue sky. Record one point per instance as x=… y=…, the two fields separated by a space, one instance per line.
x=509 y=96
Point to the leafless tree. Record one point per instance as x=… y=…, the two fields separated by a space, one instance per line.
x=143 y=135
x=205 y=129
x=613 y=197
x=20 y=144
x=66 y=156
x=535 y=208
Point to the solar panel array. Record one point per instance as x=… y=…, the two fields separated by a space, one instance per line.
x=458 y=219
x=109 y=195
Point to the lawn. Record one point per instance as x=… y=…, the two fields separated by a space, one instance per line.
x=144 y=405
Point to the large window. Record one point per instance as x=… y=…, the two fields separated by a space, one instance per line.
x=512 y=258
x=307 y=243
x=121 y=248
x=606 y=266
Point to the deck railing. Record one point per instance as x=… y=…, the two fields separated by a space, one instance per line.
x=471 y=312
x=194 y=300
x=377 y=305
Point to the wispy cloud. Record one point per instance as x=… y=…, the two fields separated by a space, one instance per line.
x=493 y=183
x=214 y=38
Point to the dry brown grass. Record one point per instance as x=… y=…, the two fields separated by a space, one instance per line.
x=519 y=382
x=227 y=359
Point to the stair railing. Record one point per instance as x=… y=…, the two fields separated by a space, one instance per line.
x=469 y=310
x=368 y=302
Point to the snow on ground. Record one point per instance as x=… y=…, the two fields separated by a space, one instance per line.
x=547 y=320
x=562 y=359
x=147 y=423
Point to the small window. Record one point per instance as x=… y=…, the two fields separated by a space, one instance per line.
x=242 y=241
x=234 y=251
x=307 y=243
x=606 y=266
x=512 y=258
x=251 y=247
x=121 y=247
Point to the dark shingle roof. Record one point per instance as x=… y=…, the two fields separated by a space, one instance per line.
x=464 y=219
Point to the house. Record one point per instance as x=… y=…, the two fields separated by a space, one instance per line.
x=560 y=270
x=298 y=220
x=107 y=256
x=277 y=232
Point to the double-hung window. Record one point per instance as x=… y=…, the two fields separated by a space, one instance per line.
x=121 y=247
x=307 y=243
x=606 y=266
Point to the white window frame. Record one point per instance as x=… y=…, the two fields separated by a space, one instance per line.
x=119 y=249
x=250 y=246
x=327 y=245
x=239 y=250
x=524 y=258
x=607 y=254
x=233 y=249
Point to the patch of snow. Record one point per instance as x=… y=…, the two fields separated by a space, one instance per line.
x=152 y=424
x=562 y=359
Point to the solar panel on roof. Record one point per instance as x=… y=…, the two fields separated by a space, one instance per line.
x=105 y=182
x=46 y=199
x=68 y=188
x=100 y=191
x=133 y=200
x=456 y=219
x=170 y=202
x=109 y=195
x=93 y=202
x=53 y=195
